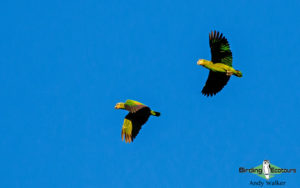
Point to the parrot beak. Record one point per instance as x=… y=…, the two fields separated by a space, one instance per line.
x=200 y=62
x=118 y=106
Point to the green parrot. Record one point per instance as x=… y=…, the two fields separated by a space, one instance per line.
x=137 y=116
x=220 y=65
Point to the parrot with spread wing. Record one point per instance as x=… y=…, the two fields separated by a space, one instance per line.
x=220 y=65
x=138 y=115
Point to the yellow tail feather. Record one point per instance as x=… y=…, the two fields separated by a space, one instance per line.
x=238 y=73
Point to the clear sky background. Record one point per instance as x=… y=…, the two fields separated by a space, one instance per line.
x=65 y=64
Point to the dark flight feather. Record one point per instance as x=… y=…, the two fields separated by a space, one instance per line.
x=220 y=49
x=215 y=83
x=138 y=119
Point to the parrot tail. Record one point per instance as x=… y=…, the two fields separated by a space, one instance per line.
x=238 y=73
x=155 y=113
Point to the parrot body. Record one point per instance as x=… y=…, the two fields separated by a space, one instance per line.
x=138 y=115
x=220 y=67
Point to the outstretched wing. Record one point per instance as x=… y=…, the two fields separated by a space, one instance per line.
x=215 y=83
x=220 y=49
x=133 y=106
x=133 y=123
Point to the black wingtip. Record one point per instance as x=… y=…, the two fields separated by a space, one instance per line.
x=208 y=94
x=157 y=114
x=214 y=34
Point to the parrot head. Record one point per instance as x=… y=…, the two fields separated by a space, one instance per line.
x=120 y=105
x=203 y=62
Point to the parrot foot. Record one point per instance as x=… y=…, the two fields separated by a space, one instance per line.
x=229 y=73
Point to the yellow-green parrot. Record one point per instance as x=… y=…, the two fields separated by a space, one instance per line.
x=137 y=116
x=220 y=65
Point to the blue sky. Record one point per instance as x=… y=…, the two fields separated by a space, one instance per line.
x=64 y=65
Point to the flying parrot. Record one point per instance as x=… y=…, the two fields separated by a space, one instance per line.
x=137 y=116
x=220 y=65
